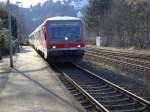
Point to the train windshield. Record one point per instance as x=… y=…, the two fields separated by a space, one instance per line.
x=65 y=31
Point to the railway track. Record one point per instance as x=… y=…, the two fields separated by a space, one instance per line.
x=99 y=95
x=121 y=56
x=129 y=54
x=121 y=59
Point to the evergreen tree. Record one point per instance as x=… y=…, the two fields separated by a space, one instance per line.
x=4 y=25
x=95 y=12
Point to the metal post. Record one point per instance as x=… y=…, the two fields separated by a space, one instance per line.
x=0 y=52
x=147 y=20
x=21 y=20
x=18 y=30
x=10 y=35
x=21 y=25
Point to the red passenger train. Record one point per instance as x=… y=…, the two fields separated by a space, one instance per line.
x=59 y=39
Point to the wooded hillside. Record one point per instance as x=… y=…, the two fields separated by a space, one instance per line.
x=124 y=23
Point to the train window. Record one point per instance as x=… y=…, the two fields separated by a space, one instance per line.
x=75 y=30
x=58 y=33
x=45 y=35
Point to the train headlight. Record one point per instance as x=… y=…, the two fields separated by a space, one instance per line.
x=79 y=46
x=66 y=38
x=53 y=47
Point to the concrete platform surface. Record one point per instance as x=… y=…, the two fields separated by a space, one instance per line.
x=32 y=86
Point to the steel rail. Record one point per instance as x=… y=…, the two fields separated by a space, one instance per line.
x=118 y=87
x=87 y=95
x=99 y=106
x=127 y=59
x=122 y=62
x=119 y=52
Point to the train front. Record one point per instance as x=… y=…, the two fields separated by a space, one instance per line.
x=65 y=38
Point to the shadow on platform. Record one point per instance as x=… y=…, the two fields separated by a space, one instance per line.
x=46 y=89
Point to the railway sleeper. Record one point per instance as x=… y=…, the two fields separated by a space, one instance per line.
x=136 y=106
x=138 y=109
x=74 y=91
x=71 y=88
x=94 y=87
x=113 y=97
x=112 y=93
x=77 y=94
x=146 y=110
x=91 y=81
x=100 y=90
x=147 y=98
x=68 y=84
x=81 y=98
x=85 y=102
x=88 y=83
x=90 y=108
x=114 y=102
x=76 y=77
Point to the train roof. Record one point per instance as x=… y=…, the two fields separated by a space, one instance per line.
x=59 y=18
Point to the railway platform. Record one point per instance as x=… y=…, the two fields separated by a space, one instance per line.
x=32 y=86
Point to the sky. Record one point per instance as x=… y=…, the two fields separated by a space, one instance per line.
x=27 y=3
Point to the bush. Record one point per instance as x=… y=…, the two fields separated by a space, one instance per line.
x=4 y=43
x=25 y=42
